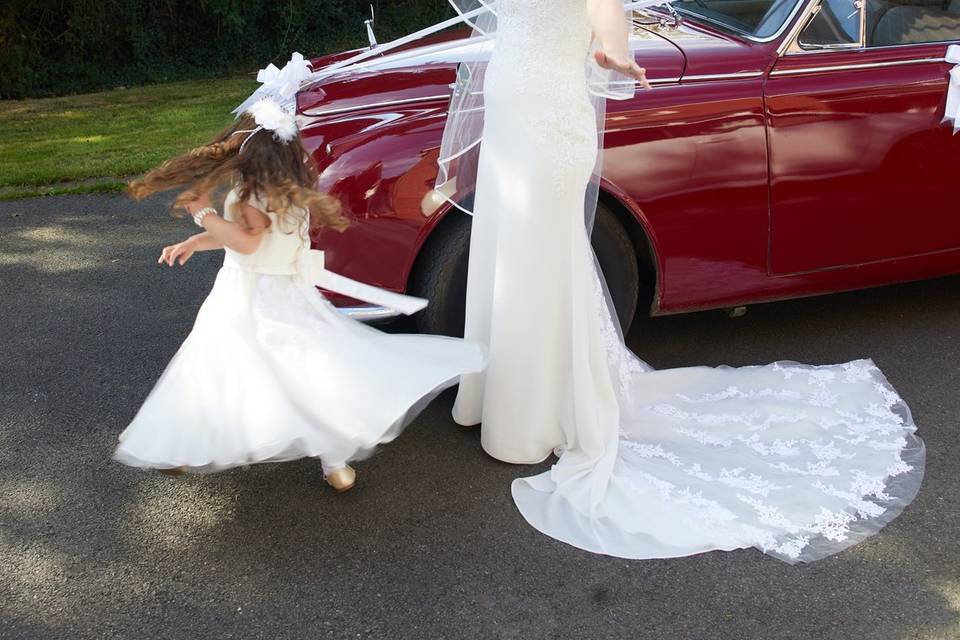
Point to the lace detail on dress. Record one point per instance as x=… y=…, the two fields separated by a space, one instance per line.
x=816 y=484
x=623 y=364
x=554 y=78
x=818 y=397
x=561 y=31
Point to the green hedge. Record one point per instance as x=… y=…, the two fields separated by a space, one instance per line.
x=51 y=47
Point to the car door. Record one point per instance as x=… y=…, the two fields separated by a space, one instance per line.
x=861 y=168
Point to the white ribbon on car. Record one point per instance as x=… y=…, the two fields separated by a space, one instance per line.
x=951 y=111
x=280 y=85
x=312 y=271
x=466 y=18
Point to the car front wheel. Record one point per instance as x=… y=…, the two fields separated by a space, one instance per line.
x=441 y=271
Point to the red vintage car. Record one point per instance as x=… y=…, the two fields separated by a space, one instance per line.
x=787 y=148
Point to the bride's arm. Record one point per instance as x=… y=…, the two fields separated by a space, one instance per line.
x=612 y=30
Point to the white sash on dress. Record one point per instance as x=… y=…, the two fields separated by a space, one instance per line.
x=311 y=271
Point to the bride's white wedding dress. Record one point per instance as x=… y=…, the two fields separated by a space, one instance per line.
x=798 y=461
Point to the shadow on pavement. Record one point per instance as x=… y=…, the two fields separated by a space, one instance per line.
x=429 y=545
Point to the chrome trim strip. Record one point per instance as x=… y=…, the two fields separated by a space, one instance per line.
x=405 y=101
x=374 y=105
x=722 y=76
x=368 y=313
x=701 y=78
x=906 y=45
x=847 y=67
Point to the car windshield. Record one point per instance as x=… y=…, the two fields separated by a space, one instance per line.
x=755 y=18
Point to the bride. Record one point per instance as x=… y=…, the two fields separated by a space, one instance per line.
x=798 y=461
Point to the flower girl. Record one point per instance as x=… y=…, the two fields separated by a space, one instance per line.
x=271 y=371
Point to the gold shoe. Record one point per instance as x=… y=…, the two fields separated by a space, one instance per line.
x=342 y=479
x=173 y=471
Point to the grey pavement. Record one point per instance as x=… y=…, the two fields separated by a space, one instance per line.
x=429 y=544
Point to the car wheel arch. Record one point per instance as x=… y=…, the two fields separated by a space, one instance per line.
x=644 y=241
x=627 y=212
x=428 y=230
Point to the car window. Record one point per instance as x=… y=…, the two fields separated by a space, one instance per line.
x=911 y=21
x=837 y=24
x=756 y=18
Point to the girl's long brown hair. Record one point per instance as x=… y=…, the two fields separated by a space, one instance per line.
x=281 y=174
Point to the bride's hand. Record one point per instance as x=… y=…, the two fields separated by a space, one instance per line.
x=624 y=63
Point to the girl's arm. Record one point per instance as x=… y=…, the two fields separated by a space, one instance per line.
x=242 y=238
x=612 y=30
x=204 y=242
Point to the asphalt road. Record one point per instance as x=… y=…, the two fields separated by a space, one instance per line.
x=429 y=544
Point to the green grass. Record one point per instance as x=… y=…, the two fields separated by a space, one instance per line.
x=91 y=143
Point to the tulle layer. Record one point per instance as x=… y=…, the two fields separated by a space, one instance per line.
x=272 y=372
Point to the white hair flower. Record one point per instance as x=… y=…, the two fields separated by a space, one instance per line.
x=268 y=113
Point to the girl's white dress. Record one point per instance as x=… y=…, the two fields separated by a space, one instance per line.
x=272 y=371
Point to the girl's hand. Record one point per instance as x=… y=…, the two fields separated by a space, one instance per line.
x=179 y=252
x=624 y=63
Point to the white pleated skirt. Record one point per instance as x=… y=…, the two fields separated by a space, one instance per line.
x=272 y=371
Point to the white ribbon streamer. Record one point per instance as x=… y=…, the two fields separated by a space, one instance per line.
x=951 y=111
x=393 y=44
x=464 y=18
x=311 y=271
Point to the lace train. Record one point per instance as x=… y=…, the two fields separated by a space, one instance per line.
x=799 y=461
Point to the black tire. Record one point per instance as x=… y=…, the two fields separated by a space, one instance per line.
x=618 y=262
x=441 y=272
x=440 y=275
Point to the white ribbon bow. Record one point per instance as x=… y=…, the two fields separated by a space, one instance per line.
x=285 y=83
x=311 y=271
x=951 y=111
x=280 y=85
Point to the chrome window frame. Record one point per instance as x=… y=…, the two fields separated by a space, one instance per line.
x=791 y=43
x=861 y=6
